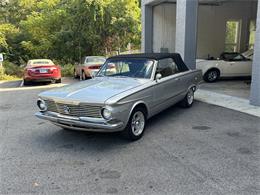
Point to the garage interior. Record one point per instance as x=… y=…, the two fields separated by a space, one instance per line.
x=213 y=21
x=220 y=25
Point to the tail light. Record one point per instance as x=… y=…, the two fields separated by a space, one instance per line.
x=93 y=67
x=53 y=69
x=32 y=70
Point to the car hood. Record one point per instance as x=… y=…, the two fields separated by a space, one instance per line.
x=95 y=91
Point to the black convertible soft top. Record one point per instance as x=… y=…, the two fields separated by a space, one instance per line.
x=156 y=56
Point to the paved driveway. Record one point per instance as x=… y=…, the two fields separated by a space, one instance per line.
x=202 y=150
x=238 y=87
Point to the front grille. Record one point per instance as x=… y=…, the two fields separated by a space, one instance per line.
x=81 y=110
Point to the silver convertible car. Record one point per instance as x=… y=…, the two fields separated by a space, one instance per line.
x=127 y=90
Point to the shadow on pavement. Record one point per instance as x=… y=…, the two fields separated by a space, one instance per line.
x=18 y=85
x=61 y=140
x=11 y=84
x=246 y=80
x=100 y=142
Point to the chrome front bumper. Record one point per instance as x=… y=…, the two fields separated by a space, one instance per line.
x=80 y=123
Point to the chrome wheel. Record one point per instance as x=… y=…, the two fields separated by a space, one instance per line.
x=190 y=97
x=212 y=75
x=138 y=123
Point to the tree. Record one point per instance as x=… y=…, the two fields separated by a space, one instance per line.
x=67 y=30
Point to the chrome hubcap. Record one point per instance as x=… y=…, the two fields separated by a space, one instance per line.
x=137 y=123
x=190 y=96
x=212 y=75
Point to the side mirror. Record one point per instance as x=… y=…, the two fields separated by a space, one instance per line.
x=158 y=76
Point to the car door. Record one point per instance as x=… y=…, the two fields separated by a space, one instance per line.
x=168 y=88
x=238 y=66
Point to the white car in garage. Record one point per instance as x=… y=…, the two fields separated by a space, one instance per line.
x=230 y=64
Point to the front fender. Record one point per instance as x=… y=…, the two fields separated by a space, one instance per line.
x=136 y=104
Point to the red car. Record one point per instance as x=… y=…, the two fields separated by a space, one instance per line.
x=41 y=70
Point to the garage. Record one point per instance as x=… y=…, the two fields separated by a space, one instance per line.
x=204 y=29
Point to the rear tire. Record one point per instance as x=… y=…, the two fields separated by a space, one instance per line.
x=58 y=81
x=187 y=102
x=136 y=125
x=211 y=75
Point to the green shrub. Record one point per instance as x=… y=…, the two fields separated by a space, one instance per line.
x=4 y=76
x=2 y=73
x=67 y=70
x=12 y=69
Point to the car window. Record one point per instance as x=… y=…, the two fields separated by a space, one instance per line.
x=232 y=57
x=238 y=57
x=167 y=67
x=136 y=68
x=93 y=59
x=41 y=62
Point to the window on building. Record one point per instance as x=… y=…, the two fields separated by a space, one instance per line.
x=232 y=36
x=252 y=29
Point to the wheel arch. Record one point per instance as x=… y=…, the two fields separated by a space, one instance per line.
x=213 y=68
x=139 y=104
x=193 y=87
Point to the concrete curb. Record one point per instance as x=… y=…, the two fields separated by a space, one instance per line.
x=226 y=101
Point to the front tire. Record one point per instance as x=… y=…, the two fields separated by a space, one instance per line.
x=136 y=125
x=25 y=82
x=211 y=76
x=187 y=102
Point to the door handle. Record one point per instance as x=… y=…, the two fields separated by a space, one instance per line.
x=177 y=79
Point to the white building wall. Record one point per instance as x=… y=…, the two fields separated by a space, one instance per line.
x=164 y=27
x=255 y=85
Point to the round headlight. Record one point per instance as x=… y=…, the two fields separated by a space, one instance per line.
x=42 y=105
x=106 y=114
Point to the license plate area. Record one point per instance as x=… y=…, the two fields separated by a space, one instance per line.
x=43 y=70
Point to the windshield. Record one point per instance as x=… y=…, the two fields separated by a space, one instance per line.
x=136 y=68
x=232 y=56
x=95 y=59
x=41 y=62
x=249 y=53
